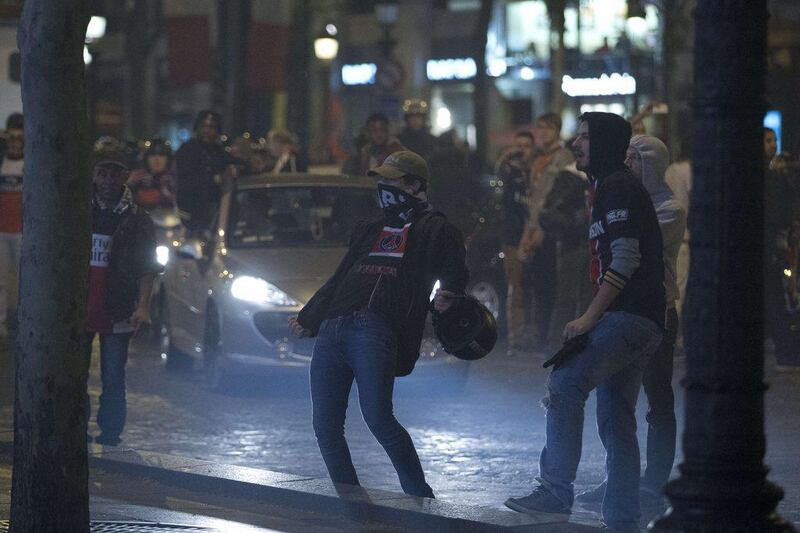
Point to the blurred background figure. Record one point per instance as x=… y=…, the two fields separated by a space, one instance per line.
x=679 y=178
x=415 y=135
x=202 y=164
x=379 y=143
x=260 y=158
x=240 y=150
x=513 y=168
x=284 y=148
x=565 y=219
x=780 y=252
x=153 y=186
x=352 y=165
x=12 y=167
x=453 y=188
x=537 y=248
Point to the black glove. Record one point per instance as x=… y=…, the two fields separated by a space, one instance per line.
x=571 y=347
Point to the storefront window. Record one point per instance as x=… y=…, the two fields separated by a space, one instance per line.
x=528 y=28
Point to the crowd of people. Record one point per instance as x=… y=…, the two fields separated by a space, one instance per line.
x=614 y=303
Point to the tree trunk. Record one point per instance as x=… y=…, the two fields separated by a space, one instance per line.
x=50 y=479
x=723 y=484
x=555 y=9
x=481 y=92
x=300 y=72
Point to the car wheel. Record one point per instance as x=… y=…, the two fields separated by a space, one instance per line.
x=174 y=359
x=216 y=376
x=487 y=292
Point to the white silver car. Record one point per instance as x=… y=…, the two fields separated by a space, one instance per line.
x=276 y=240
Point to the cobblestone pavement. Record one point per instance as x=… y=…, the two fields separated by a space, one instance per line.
x=478 y=438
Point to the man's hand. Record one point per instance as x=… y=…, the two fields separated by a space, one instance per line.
x=443 y=300
x=297 y=329
x=139 y=318
x=579 y=326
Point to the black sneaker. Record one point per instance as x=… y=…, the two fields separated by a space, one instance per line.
x=540 y=500
x=107 y=440
x=594 y=495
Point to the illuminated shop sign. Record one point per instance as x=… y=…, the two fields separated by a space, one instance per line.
x=359 y=74
x=451 y=69
x=606 y=85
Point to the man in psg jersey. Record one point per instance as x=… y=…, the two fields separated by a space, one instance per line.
x=623 y=326
x=368 y=318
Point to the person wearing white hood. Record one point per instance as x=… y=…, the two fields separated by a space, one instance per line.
x=648 y=159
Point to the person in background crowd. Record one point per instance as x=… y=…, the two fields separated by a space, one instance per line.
x=679 y=179
x=415 y=135
x=513 y=168
x=260 y=159
x=770 y=146
x=379 y=143
x=202 y=165
x=240 y=149
x=122 y=269
x=454 y=191
x=132 y=148
x=648 y=158
x=352 y=165
x=283 y=147
x=623 y=327
x=565 y=218
x=369 y=317
x=12 y=166
x=154 y=185
x=779 y=217
x=537 y=249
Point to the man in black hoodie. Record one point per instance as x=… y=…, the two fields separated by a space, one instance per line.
x=369 y=317
x=623 y=327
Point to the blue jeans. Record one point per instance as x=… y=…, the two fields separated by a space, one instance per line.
x=661 y=424
x=612 y=362
x=113 y=358
x=362 y=345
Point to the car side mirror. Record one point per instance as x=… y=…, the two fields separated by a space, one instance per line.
x=191 y=249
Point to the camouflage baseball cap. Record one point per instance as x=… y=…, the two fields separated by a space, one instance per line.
x=399 y=164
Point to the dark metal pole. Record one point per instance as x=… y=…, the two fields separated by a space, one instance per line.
x=723 y=485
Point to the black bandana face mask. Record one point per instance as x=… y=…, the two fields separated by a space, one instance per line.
x=396 y=203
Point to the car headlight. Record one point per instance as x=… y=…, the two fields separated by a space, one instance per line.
x=257 y=290
x=162 y=255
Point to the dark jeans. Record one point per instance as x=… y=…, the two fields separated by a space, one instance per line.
x=618 y=349
x=661 y=425
x=363 y=346
x=113 y=357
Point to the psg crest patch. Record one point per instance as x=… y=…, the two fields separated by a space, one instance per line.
x=392 y=242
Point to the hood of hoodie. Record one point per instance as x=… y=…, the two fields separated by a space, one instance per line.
x=655 y=160
x=609 y=136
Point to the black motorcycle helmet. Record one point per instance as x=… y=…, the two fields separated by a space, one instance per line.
x=467 y=330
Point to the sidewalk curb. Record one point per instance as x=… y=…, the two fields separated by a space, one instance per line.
x=305 y=493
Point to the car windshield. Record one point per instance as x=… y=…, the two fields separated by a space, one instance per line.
x=286 y=217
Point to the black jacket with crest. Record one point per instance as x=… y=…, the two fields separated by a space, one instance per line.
x=435 y=252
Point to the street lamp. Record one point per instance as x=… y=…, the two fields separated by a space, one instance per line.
x=636 y=23
x=326 y=47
